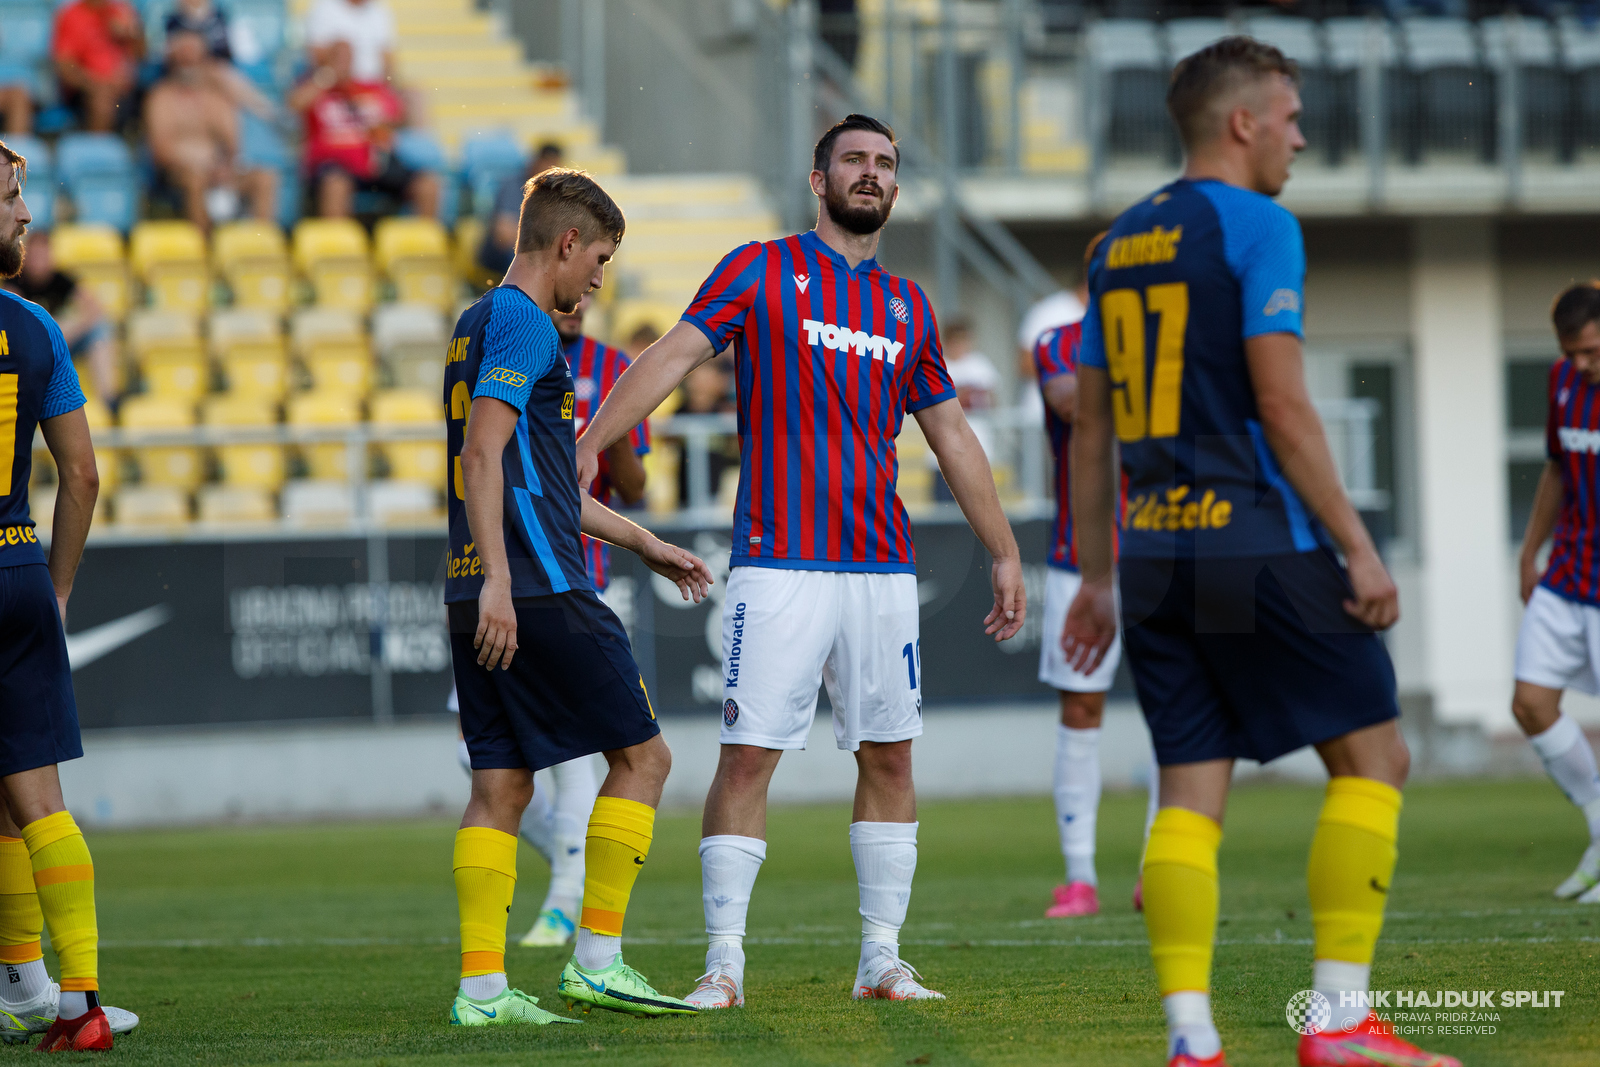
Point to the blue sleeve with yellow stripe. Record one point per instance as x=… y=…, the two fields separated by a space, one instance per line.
x=520 y=345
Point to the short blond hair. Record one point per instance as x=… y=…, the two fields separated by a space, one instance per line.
x=561 y=199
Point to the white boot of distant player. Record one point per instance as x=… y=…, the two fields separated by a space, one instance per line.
x=1569 y=758
x=1152 y=805
x=567 y=821
x=728 y=868
x=886 y=861
x=1189 y=1025
x=1077 y=790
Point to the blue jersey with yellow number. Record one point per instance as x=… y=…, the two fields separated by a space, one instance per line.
x=37 y=382
x=507 y=348
x=1181 y=280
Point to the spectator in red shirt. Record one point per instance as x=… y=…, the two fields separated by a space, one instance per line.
x=349 y=140
x=97 y=48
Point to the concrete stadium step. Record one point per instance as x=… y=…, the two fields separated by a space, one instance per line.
x=497 y=53
x=426 y=71
x=760 y=225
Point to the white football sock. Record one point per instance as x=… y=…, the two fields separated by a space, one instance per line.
x=1077 y=789
x=24 y=981
x=74 y=1004
x=1189 y=1019
x=594 y=951
x=478 y=987
x=728 y=868
x=886 y=860
x=1344 y=984
x=1569 y=758
x=575 y=792
x=536 y=827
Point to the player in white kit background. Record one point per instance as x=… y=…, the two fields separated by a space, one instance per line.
x=1559 y=643
x=831 y=352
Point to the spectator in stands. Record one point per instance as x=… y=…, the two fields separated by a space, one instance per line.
x=83 y=322
x=366 y=26
x=211 y=23
x=97 y=48
x=500 y=238
x=349 y=140
x=16 y=104
x=192 y=127
x=708 y=390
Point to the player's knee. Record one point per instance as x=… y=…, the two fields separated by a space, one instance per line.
x=887 y=765
x=1082 y=711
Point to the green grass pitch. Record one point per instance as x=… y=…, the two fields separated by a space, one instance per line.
x=336 y=943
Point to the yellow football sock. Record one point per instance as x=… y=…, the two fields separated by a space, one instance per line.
x=63 y=873
x=21 y=920
x=1180 y=898
x=1352 y=863
x=486 y=876
x=618 y=842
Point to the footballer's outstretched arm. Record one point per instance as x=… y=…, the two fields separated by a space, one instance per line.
x=1092 y=617
x=489 y=426
x=641 y=389
x=685 y=569
x=1546 y=509
x=67 y=437
x=1294 y=433
x=966 y=471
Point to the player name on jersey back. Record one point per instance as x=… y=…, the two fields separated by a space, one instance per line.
x=829 y=360
x=1183 y=279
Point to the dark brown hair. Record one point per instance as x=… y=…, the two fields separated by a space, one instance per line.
x=1218 y=68
x=1575 y=308
x=561 y=199
x=823 y=155
x=13 y=159
x=1092 y=247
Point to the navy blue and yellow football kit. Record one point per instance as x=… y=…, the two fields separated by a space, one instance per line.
x=573 y=687
x=1232 y=597
x=38 y=716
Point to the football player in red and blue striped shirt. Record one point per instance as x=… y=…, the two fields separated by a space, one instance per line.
x=831 y=352
x=1559 y=643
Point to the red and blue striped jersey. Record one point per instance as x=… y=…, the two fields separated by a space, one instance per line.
x=829 y=361
x=1055 y=354
x=1572 y=440
x=595 y=369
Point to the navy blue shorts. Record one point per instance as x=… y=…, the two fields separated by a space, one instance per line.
x=38 y=716
x=1250 y=658
x=573 y=687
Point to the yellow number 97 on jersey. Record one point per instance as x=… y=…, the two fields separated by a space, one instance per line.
x=1122 y=318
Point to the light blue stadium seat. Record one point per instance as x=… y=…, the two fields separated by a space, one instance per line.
x=486 y=162
x=25 y=32
x=98 y=171
x=419 y=151
x=263 y=20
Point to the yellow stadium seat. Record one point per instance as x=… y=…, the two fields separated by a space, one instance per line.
x=404 y=503
x=169 y=257
x=332 y=253
x=255 y=465
x=326 y=460
x=415 y=253
x=340 y=366
x=151 y=505
x=178 y=466
x=151 y=326
x=236 y=503
x=106 y=460
x=254 y=259
x=93 y=253
x=176 y=369
x=411 y=339
x=235 y=325
x=415 y=461
x=318 y=502
x=469 y=237
x=248 y=342
x=315 y=324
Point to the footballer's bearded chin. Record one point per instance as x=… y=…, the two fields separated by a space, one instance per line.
x=11 y=257
x=858 y=218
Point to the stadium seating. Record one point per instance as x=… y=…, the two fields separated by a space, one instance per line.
x=150 y=505
x=334 y=349
x=166 y=346
x=254 y=260
x=415 y=461
x=469 y=238
x=1530 y=46
x=487 y=162
x=415 y=254
x=257 y=465
x=419 y=151
x=397 y=503
x=94 y=254
x=318 y=502
x=1580 y=56
x=1329 y=94
x=177 y=466
x=235 y=504
x=326 y=460
x=248 y=343
x=1134 y=66
x=1445 y=98
x=170 y=259
x=98 y=173
x=410 y=339
x=39 y=189
x=333 y=255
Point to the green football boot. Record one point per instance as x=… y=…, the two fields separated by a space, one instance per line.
x=617 y=988
x=511 y=1008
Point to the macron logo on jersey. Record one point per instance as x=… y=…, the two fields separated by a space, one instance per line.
x=801 y=281
x=843 y=338
x=1575 y=439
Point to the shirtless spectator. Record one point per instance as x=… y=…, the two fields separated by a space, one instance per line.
x=349 y=141
x=97 y=48
x=193 y=131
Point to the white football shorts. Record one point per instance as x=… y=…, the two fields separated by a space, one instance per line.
x=785 y=631
x=1558 y=645
x=1060 y=586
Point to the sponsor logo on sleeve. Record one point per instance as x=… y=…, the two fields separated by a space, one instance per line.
x=502 y=374
x=1282 y=300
